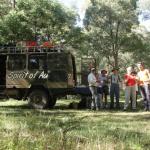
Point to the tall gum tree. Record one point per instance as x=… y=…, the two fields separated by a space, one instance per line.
x=32 y=18
x=109 y=25
x=142 y=32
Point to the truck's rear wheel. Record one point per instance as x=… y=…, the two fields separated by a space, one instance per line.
x=38 y=99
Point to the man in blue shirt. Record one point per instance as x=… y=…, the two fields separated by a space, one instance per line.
x=114 y=88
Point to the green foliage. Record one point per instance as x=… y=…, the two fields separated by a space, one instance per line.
x=109 y=24
x=142 y=52
x=134 y=3
x=15 y=27
x=5 y=7
x=32 y=18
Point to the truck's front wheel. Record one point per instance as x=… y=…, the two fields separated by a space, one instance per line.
x=38 y=99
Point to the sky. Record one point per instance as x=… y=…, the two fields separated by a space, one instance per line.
x=144 y=19
x=79 y=5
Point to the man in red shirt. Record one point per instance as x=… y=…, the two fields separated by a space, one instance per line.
x=130 y=90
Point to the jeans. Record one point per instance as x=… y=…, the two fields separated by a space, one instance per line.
x=114 y=92
x=95 y=103
x=145 y=93
x=130 y=93
x=105 y=92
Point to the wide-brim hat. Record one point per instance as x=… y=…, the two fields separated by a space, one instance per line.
x=92 y=69
x=103 y=70
x=115 y=69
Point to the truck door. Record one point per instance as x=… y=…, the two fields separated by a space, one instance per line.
x=37 y=65
x=57 y=70
x=61 y=70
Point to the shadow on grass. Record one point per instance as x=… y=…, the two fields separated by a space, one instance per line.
x=62 y=109
x=25 y=110
x=25 y=106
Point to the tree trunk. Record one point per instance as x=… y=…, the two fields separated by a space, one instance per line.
x=115 y=57
x=14 y=4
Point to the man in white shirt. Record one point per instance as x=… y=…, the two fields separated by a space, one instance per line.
x=93 y=89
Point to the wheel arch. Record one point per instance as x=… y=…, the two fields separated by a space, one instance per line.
x=39 y=87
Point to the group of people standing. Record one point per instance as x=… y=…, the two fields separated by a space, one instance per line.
x=110 y=85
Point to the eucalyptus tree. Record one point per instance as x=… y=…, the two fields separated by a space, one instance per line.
x=32 y=18
x=5 y=7
x=109 y=24
x=142 y=52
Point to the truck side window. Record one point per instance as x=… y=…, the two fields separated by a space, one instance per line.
x=33 y=63
x=37 y=62
x=16 y=62
x=57 y=61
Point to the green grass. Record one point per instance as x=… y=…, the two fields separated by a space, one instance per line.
x=61 y=128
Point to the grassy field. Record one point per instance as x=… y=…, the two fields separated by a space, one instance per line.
x=61 y=128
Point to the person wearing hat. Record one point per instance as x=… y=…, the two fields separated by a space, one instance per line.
x=114 y=88
x=103 y=78
x=144 y=84
x=93 y=89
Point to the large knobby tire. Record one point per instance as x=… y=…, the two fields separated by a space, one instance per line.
x=38 y=99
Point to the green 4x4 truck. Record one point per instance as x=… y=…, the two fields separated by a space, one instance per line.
x=40 y=75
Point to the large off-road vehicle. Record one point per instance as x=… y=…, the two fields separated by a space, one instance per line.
x=42 y=74
x=38 y=74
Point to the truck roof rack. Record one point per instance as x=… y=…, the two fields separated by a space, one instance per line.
x=24 y=50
